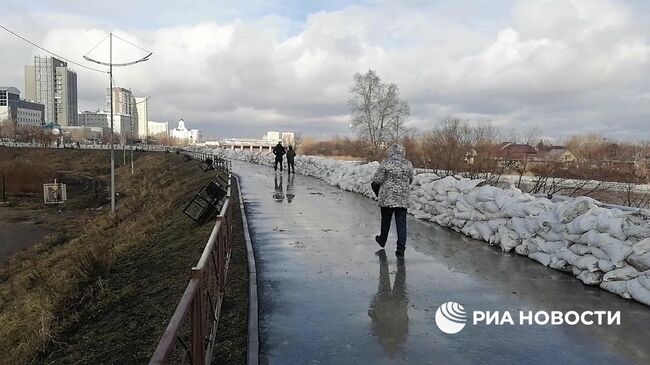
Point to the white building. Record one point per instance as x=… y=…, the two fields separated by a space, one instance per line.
x=157 y=128
x=142 y=110
x=190 y=136
x=15 y=110
x=272 y=137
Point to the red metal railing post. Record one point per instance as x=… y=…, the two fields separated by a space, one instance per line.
x=198 y=321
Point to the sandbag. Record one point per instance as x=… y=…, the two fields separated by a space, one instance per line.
x=590 y=278
x=638 y=291
x=616 y=287
x=541 y=257
x=625 y=273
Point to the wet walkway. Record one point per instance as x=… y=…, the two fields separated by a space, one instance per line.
x=326 y=297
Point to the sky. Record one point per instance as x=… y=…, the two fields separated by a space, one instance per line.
x=240 y=68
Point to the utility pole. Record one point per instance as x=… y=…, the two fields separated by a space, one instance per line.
x=110 y=73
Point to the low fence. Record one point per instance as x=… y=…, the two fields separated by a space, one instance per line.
x=86 y=146
x=191 y=333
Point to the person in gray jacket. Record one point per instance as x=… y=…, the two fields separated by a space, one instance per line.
x=393 y=177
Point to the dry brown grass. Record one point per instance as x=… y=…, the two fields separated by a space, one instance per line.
x=43 y=294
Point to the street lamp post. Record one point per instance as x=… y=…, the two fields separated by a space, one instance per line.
x=110 y=65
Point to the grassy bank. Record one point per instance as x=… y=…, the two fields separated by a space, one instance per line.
x=105 y=294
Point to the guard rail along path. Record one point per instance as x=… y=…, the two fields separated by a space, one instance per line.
x=191 y=332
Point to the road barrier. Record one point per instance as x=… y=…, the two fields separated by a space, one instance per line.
x=191 y=333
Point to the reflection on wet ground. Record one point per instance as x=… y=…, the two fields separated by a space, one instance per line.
x=321 y=301
x=389 y=308
x=279 y=193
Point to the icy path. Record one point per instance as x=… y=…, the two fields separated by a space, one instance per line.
x=324 y=298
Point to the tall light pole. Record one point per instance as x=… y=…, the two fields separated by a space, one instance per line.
x=110 y=65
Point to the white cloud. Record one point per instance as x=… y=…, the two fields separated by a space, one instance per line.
x=565 y=66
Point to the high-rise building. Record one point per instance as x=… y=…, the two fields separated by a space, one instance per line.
x=51 y=83
x=21 y=112
x=142 y=110
x=123 y=110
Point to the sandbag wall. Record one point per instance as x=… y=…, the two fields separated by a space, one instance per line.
x=600 y=246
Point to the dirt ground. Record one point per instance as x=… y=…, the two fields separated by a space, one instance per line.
x=25 y=220
x=79 y=286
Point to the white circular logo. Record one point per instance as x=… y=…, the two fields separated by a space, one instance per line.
x=451 y=317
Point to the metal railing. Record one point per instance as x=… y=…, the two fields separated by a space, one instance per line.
x=87 y=146
x=191 y=333
x=217 y=162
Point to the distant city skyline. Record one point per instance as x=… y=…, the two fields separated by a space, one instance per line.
x=232 y=69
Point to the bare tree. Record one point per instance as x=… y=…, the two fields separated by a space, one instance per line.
x=297 y=141
x=378 y=112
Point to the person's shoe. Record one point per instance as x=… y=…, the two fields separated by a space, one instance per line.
x=379 y=242
x=399 y=253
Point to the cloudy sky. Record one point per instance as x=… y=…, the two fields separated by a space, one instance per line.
x=239 y=68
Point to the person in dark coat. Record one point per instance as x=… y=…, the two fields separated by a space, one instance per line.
x=291 y=155
x=393 y=177
x=279 y=152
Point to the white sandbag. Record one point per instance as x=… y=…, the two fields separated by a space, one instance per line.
x=509 y=239
x=583 y=223
x=559 y=264
x=549 y=246
x=465 y=185
x=625 y=273
x=644 y=279
x=580 y=249
x=572 y=237
x=447 y=183
x=640 y=262
x=522 y=227
x=611 y=224
x=590 y=278
x=638 y=291
x=550 y=235
x=587 y=262
x=615 y=249
x=571 y=209
x=541 y=257
x=567 y=255
x=484 y=231
x=522 y=249
x=641 y=247
x=616 y=287
x=605 y=265
x=600 y=254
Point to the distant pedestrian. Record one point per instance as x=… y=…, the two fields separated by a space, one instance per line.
x=279 y=152
x=393 y=179
x=291 y=155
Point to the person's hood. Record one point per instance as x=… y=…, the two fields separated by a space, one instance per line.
x=396 y=151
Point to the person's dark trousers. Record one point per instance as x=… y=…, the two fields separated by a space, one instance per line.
x=277 y=161
x=291 y=167
x=400 y=224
